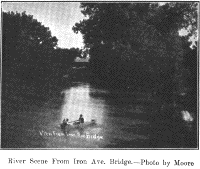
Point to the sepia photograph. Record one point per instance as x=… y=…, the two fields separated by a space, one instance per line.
x=100 y=75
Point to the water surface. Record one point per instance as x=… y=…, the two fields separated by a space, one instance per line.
x=123 y=120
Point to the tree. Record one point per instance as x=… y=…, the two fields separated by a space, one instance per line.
x=62 y=58
x=75 y=52
x=27 y=45
x=136 y=37
x=172 y=17
x=121 y=16
x=97 y=30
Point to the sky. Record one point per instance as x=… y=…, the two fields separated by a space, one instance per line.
x=60 y=17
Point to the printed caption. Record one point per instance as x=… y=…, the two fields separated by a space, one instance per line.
x=124 y=162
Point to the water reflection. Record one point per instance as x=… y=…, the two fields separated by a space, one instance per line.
x=124 y=120
x=78 y=101
x=119 y=121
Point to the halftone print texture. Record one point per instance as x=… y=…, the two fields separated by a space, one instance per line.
x=99 y=75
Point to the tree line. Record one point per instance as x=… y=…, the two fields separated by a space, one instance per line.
x=30 y=53
x=138 y=46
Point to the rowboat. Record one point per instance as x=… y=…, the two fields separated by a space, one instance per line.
x=78 y=125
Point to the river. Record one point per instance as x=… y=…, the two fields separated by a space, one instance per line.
x=123 y=120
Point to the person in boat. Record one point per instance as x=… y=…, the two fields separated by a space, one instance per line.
x=64 y=123
x=81 y=119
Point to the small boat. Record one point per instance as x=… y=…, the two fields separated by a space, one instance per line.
x=77 y=124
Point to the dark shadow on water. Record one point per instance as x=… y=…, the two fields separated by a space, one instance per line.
x=26 y=109
x=22 y=113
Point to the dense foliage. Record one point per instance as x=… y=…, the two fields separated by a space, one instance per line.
x=30 y=53
x=137 y=44
x=26 y=45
